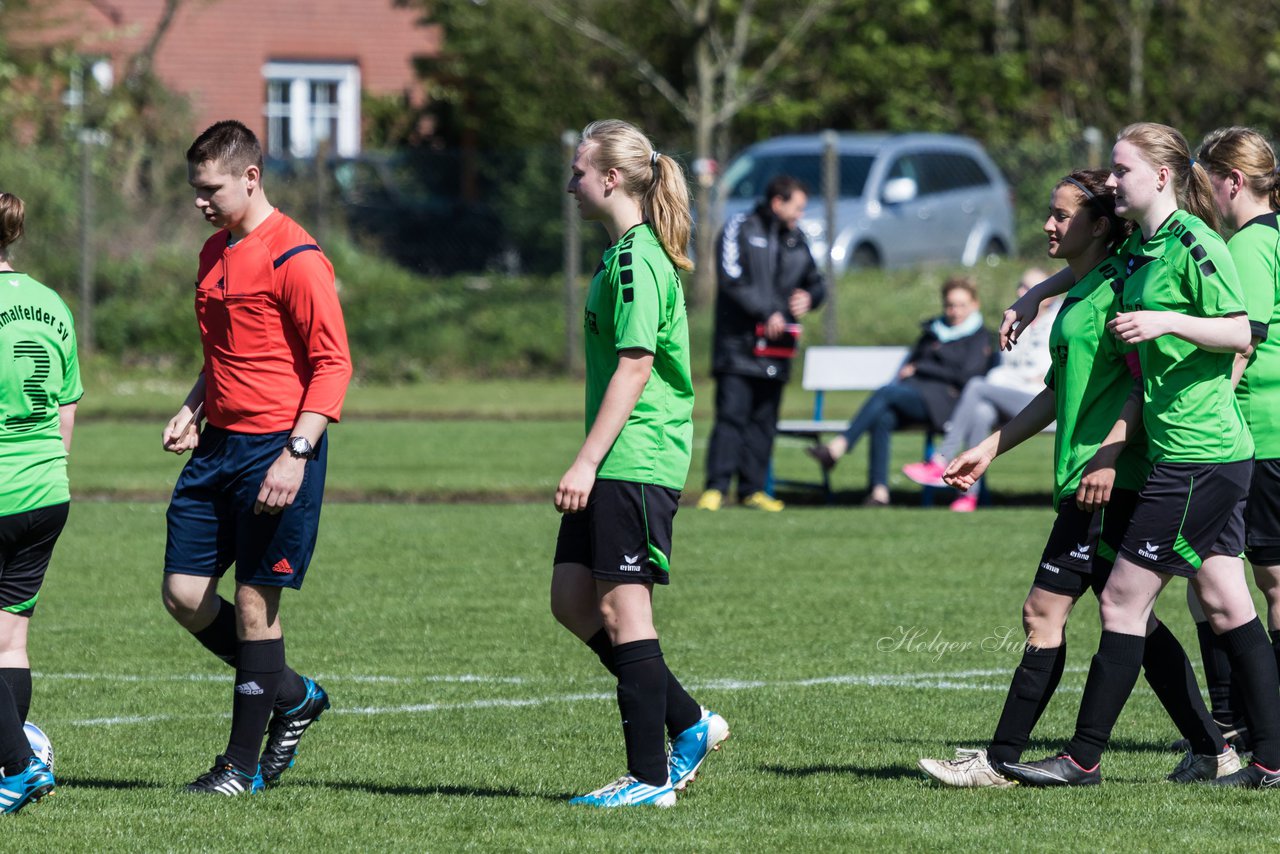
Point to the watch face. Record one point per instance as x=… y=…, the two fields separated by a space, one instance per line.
x=299 y=446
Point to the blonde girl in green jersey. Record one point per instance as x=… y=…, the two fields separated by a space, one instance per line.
x=1184 y=312
x=619 y=496
x=1246 y=190
x=1097 y=473
x=39 y=388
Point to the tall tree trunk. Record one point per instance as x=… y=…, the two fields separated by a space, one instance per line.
x=704 y=280
x=1139 y=15
x=1005 y=35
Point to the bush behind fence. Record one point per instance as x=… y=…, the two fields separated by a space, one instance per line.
x=397 y=239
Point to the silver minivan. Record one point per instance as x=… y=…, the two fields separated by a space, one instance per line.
x=903 y=198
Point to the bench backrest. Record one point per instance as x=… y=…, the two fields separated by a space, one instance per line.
x=851 y=368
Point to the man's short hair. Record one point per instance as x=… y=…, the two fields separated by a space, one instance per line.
x=783 y=187
x=228 y=143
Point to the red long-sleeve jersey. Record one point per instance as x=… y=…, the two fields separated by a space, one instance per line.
x=271 y=326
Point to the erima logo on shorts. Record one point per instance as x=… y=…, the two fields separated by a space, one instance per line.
x=631 y=563
x=1050 y=568
x=1081 y=551
x=1150 y=552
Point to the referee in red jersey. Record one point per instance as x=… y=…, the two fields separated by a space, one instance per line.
x=276 y=369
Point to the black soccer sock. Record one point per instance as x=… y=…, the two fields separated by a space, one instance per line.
x=1275 y=644
x=19 y=681
x=682 y=710
x=258 y=670
x=1169 y=673
x=1032 y=686
x=219 y=637
x=1217 y=676
x=292 y=690
x=14 y=748
x=1254 y=664
x=603 y=648
x=642 y=699
x=1112 y=675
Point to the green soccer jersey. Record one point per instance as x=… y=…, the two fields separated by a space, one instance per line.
x=38 y=373
x=1255 y=248
x=1091 y=381
x=635 y=302
x=1189 y=407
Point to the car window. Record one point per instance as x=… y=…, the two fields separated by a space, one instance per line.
x=747 y=176
x=945 y=171
x=908 y=166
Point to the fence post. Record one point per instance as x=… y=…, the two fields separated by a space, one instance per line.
x=1093 y=141
x=572 y=260
x=88 y=138
x=830 y=191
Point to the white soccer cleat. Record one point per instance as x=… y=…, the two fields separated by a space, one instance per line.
x=971 y=769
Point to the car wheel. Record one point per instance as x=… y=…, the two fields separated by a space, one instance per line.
x=864 y=257
x=994 y=253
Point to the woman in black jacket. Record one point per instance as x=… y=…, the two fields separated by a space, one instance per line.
x=952 y=349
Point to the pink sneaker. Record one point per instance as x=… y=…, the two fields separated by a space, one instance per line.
x=926 y=474
x=965 y=504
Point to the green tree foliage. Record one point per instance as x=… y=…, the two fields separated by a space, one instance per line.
x=1024 y=76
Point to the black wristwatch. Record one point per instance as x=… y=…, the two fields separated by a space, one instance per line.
x=300 y=448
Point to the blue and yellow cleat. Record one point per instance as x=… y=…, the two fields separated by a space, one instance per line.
x=29 y=785
x=691 y=747
x=627 y=791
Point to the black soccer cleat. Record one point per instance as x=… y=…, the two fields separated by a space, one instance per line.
x=1236 y=736
x=1196 y=768
x=286 y=729
x=1251 y=777
x=1059 y=770
x=224 y=779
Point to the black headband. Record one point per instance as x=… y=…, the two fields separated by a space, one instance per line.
x=1088 y=195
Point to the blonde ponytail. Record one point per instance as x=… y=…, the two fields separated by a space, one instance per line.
x=655 y=180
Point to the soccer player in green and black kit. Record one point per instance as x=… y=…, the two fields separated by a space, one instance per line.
x=39 y=388
x=1246 y=190
x=1099 y=466
x=1183 y=309
x=619 y=497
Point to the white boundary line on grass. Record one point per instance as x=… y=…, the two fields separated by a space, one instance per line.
x=323 y=677
x=934 y=681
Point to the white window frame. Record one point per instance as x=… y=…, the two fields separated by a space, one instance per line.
x=300 y=76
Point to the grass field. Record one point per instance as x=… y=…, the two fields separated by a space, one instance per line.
x=840 y=643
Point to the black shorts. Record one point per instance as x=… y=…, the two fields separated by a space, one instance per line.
x=26 y=545
x=1262 y=514
x=1082 y=546
x=624 y=534
x=1187 y=512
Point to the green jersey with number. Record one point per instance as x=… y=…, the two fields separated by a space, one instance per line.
x=38 y=373
x=635 y=302
x=1189 y=407
x=1255 y=248
x=1091 y=382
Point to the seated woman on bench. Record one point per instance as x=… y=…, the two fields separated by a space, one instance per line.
x=991 y=400
x=951 y=350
